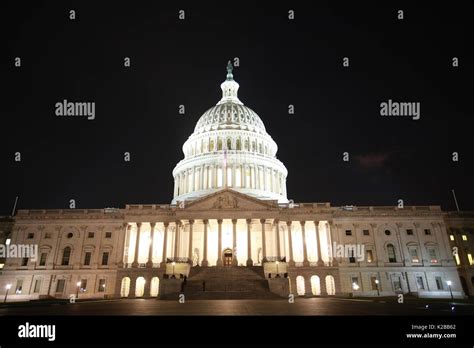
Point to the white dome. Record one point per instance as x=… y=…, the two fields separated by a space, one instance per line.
x=230 y=148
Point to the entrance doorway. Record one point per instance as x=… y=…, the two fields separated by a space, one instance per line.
x=228 y=257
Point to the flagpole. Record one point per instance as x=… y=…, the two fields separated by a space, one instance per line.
x=14 y=206
x=455 y=200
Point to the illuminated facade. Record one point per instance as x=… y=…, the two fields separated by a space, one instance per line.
x=230 y=231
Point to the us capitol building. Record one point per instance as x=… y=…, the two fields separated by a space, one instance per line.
x=231 y=232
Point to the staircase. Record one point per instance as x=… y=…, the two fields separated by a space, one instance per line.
x=235 y=282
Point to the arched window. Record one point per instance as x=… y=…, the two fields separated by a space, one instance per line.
x=266 y=150
x=260 y=148
x=140 y=287
x=254 y=146
x=330 y=285
x=211 y=145
x=315 y=285
x=66 y=256
x=125 y=288
x=155 y=286
x=246 y=145
x=219 y=144
x=300 y=290
x=391 y=253
x=238 y=144
x=229 y=144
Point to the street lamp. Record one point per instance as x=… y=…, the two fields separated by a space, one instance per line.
x=355 y=286
x=78 y=284
x=278 y=274
x=8 y=287
x=450 y=291
x=173 y=264
x=377 y=283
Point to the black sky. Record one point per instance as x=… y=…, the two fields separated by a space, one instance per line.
x=282 y=62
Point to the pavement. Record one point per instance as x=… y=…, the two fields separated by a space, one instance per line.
x=278 y=307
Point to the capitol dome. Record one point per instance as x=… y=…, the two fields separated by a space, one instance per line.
x=230 y=148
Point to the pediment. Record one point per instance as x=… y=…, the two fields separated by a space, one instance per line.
x=228 y=199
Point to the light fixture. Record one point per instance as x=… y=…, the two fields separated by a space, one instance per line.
x=449 y=282
x=376 y=281
x=355 y=286
x=8 y=286
x=78 y=283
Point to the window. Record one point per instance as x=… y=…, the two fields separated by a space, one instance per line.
x=87 y=258
x=427 y=232
x=43 y=258
x=397 y=284
x=451 y=237
x=83 y=286
x=388 y=233
x=37 y=287
x=101 y=285
x=348 y=233
x=355 y=283
x=351 y=256
x=433 y=255
x=70 y=235
x=464 y=237
x=105 y=259
x=439 y=283
x=419 y=283
x=24 y=261
x=366 y=232
x=391 y=253
x=414 y=254
x=108 y=234
x=31 y=235
x=7 y=241
x=2 y=265
x=373 y=282
x=369 y=255
x=19 y=286
x=409 y=232
x=60 y=285
x=66 y=256
x=90 y=235
x=47 y=235
x=469 y=258
x=229 y=144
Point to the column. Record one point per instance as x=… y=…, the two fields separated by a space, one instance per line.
x=190 y=242
x=423 y=255
x=176 y=236
x=290 y=245
x=165 y=242
x=277 y=231
x=137 y=244
x=176 y=179
x=265 y=181
x=234 y=244
x=249 y=244
x=332 y=232
x=149 y=263
x=204 y=262
x=264 y=240
x=201 y=183
x=402 y=245
x=234 y=182
x=305 y=249
x=318 y=240
x=124 y=246
x=219 y=243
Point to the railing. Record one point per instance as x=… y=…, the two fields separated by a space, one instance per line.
x=179 y=260
x=274 y=259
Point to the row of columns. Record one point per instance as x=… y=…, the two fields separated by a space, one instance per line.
x=204 y=177
x=205 y=262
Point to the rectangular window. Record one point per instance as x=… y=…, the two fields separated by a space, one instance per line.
x=366 y=232
x=464 y=237
x=439 y=283
x=451 y=237
x=24 y=261
x=458 y=261
x=351 y=256
x=83 y=287
x=90 y=235
x=433 y=256
x=19 y=286
x=31 y=235
x=355 y=283
x=87 y=259
x=47 y=235
x=469 y=258
x=348 y=233
x=2 y=265
x=427 y=232
x=373 y=282
x=397 y=284
x=409 y=232
x=419 y=283
x=37 y=287
x=414 y=255
x=108 y=234
x=43 y=258
x=60 y=285
x=105 y=259
x=101 y=285
x=369 y=255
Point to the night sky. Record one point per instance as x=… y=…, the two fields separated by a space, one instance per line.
x=282 y=62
